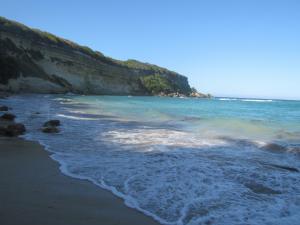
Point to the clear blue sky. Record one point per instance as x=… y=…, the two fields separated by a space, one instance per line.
x=243 y=48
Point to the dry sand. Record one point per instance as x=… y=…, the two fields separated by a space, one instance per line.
x=34 y=192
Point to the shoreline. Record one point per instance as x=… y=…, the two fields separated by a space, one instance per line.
x=33 y=190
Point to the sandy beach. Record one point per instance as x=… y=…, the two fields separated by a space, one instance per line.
x=33 y=191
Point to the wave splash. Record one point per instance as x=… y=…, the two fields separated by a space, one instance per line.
x=245 y=100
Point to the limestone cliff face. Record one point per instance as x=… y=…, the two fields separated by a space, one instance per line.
x=39 y=62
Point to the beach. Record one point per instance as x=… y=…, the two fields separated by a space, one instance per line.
x=34 y=191
x=151 y=113
x=169 y=164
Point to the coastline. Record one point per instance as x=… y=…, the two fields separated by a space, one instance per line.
x=34 y=191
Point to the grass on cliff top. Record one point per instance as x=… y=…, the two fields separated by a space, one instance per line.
x=16 y=27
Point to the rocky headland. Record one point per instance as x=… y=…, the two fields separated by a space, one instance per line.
x=33 y=61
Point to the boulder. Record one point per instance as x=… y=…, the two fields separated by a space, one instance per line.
x=8 y=116
x=2 y=131
x=16 y=129
x=261 y=189
x=198 y=95
x=13 y=130
x=3 y=108
x=50 y=129
x=51 y=126
x=288 y=168
x=274 y=148
x=4 y=94
x=52 y=123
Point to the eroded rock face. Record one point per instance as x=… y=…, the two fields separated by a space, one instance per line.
x=8 y=116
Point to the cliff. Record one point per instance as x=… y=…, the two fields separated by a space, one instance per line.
x=35 y=61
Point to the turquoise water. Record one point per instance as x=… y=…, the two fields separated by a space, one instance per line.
x=181 y=161
x=244 y=118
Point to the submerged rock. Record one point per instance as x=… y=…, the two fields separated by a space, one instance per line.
x=13 y=130
x=261 y=189
x=3 y=108
x=8 y=116
x=288 y=168
x=274 y=147
x=51 y=126
x=52 y=123
x=50 y=129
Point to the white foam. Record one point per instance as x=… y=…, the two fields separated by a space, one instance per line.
x=166 y=137
x=228 y=99
x=245 y=100
x=75 y=117
x=256 y=100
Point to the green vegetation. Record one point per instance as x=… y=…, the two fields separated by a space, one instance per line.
x=15 y=27
x=134 y=64
x=156 y=84
x=194 y=90
x=38 y=35
x=48 y=36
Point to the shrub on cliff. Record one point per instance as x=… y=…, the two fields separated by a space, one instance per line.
x=156 y=83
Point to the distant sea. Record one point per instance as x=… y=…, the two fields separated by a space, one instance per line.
x=183 y=161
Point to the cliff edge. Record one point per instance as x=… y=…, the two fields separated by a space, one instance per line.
x=39 y=62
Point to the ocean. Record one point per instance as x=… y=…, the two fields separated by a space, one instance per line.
x=182 y=161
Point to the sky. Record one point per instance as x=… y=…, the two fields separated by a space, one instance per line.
x=241 y=48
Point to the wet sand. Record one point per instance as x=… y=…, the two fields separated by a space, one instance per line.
x=33 y=191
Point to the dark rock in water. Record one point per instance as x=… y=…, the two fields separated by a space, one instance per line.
x=8 y=116
x=3 y=108
x=291 y=169
x=16 y=129
x=52 y=123
x=4 y=94
x=51 y=126
x=50 y=129
x=13 y=130
x=274 y=147
x=260 y=189
x=2 y=131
